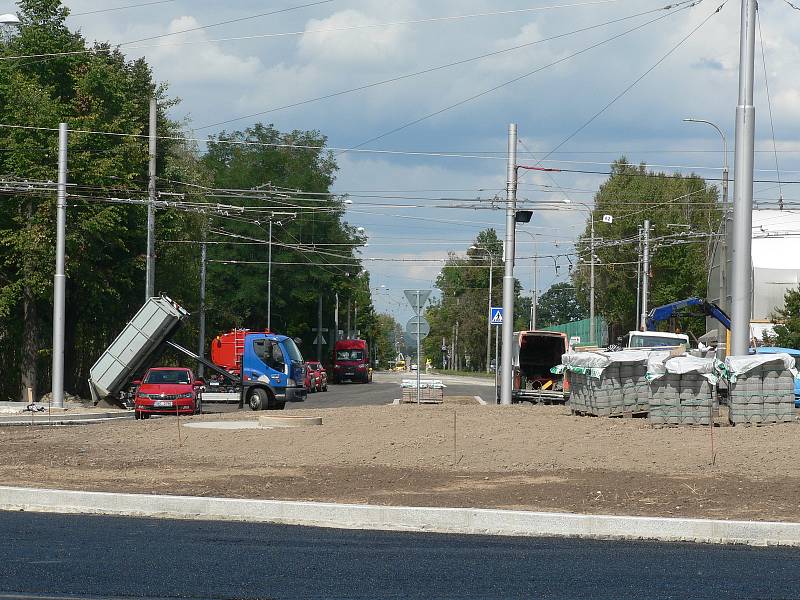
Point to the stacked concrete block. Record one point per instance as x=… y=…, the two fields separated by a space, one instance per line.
x=607 y=384
x=764 y=394
x=635 y=390
x=682 y=399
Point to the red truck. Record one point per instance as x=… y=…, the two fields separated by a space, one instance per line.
x=351 y=361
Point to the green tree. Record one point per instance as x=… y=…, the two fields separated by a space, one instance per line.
x=462 y=309
x=98 y=91
x=684 y=214
x=285 y=178
x=787 y=321
x=559 y=304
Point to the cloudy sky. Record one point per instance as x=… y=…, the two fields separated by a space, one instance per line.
x=551 y=89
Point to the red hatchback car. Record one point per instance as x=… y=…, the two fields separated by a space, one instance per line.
x=167 y=391
x=321 y=375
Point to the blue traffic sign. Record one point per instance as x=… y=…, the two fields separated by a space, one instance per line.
x=496 y=315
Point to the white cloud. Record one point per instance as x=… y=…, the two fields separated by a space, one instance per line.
x=199 y=61
x=333 y=40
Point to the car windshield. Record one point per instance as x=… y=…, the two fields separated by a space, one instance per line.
x=292 y=350
x=652 y=341
x=169 y=376
x=349 y=355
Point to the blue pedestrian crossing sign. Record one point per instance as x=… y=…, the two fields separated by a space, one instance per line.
x=496 y=315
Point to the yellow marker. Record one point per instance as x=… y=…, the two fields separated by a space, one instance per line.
x=548 y=385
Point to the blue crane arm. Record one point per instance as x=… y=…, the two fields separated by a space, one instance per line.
x=662 y=313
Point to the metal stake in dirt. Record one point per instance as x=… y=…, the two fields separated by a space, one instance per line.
x=742 y=272
x=57 y=395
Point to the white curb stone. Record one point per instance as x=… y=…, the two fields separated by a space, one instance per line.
x=404 y=518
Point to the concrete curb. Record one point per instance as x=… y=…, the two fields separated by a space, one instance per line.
x=403 y=518
x=77 y=419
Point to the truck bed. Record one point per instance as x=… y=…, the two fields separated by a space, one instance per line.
x=135 y=346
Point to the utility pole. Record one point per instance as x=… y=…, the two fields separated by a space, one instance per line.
x=592 y=328
x=201 y=342
x=489 y=316
x=508 y=276
x=355 y=319
x=535 y=299
x=336 y=321
x=722 y=332
x=269 y=278
x=741 y=301
x=59 y=280
x=645 y=276
x=349 y=336
x=638 y=277
x=319 y=329
x=150 y=273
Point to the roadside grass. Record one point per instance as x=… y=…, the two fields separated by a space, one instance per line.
x=482 y=374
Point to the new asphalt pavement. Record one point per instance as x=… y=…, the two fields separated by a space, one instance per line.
x=78 y=556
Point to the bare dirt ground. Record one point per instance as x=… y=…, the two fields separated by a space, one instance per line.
x=520 y=457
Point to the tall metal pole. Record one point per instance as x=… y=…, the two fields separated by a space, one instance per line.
x=150 y=273
x=269 y=278
x=419 y=364
x=723 y=239
x=742 y=276
x=201 y=342
x=535 y=299
x=336 y=321
x=319 y=329
x=645 y=277
x=489 y=318
x=496 y=361
x=508 y=276
x=592 y=332
x=59 y=281
x=638 y=278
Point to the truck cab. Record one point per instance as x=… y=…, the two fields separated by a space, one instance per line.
x=654 y=339
x=273 y=371
x=351 y=361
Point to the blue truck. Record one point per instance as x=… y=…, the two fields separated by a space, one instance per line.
x=272 y=370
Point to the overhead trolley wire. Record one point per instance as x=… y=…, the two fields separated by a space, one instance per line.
x=678 y=6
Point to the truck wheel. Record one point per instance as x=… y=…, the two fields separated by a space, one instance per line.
x=258 y=399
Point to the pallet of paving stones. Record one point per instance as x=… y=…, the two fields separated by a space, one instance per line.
x=430 y=391
x=682 y=399
x=761 y=390
x=607 y=384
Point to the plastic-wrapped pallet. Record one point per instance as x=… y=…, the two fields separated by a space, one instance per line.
x=760 y=388
x=682 y=390
x=606 y=383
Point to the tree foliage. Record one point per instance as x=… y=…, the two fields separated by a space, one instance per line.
x=787 y=321
x=102 y=91
x=559 y=304
x=464 y=303
x=684 y=216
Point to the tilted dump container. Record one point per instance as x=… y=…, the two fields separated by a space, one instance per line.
x=154 y=324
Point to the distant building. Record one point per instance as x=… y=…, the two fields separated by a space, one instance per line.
x=776 y=265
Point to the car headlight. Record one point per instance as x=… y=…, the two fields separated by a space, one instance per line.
x=143 y=396
x=362 y=367
x=186 y=395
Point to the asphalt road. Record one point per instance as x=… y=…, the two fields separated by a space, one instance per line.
x=385 y=387
x=56 y=556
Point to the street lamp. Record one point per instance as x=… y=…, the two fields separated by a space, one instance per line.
x=723 y=240
x=592 y=335
x=489 y=309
